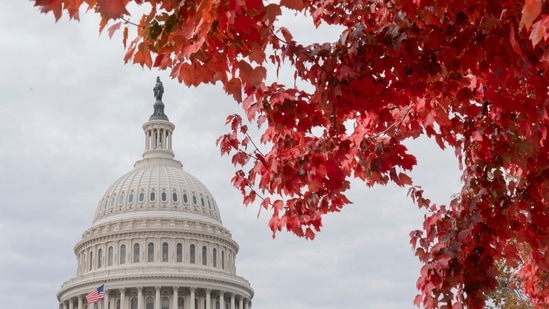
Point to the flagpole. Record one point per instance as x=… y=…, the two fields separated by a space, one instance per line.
x=106 y=298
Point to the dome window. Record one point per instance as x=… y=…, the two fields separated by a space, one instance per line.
x=150 y=252
x=123 y=254
x=174 y=197
x=209 y=205
x=179 y=253
x=141 y=196
x=99 y=258
x=191 y=253
x=112 y=200
x=136 y=253
x=149 y=303
x=165 y=252
x=222 y=259
x=121 y=198
x=194 y=199
x=164 y=196
x=130 y=198
x=185 y=199
x=214 y=257
x=202 y=201
x=110 y=256
x=153 y=196
x=166 y=303
x=91 y=260
x=204 y=255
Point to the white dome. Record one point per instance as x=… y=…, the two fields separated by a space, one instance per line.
x=157 y=185
x=157 y=240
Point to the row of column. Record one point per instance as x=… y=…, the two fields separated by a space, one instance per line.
x=189 y=302
x=158 y=138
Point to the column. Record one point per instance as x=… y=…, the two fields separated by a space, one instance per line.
x=139 y=298
x=122 y=298
x=71 y=304
x=106 y=300
x=157 y=298
x=208 y=300
x=241 y=303
x=64 y=305
x=232 y=301
x=192 y=298
x=221 y=300
x=175 y=296
x=80 y=302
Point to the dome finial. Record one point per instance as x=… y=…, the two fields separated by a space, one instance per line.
x=158 y=91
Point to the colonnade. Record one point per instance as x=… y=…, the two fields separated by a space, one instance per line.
x=158 y=138
x=161 y=298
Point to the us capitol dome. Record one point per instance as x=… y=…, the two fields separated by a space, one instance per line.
x=157 y=240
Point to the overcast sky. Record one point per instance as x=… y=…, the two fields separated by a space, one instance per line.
x=70 y=125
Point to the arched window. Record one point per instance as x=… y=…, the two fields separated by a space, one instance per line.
x=153 y=196
x=180 y=303
x=179 y=253
x=110 y=256
x=150 y=252
x=121 y=198
x=149 y=303
x=123 y=254
x=164 y=196
x=222 y=259
x=91 y=260
x=191 y=255
x=165 y=252
x=174 y=197
x=204 y=255
x=202 y=201
x=99 y=258
x=134 y=303
x=185 y=199
x=130 y=198
x=136 y=253
x=141 y=196
x=194 y=199
x=166 y=303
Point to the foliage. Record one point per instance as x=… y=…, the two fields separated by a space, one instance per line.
x=471 y=75
x=508 y=294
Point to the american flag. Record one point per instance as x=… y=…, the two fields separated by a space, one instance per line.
x=95 y=295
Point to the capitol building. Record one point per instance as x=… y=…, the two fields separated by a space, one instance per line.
x=157 y=240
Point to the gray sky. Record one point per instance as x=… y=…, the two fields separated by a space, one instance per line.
x=70 y=125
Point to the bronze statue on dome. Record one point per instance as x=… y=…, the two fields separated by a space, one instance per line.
x=158 y=89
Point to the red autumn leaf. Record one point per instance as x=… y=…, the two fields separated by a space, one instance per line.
x=297 y=5
x=112 y=29
x=113 y=9
x=530 y=11
x=514 y=43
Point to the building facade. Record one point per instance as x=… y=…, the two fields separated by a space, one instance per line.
x=157 y=240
